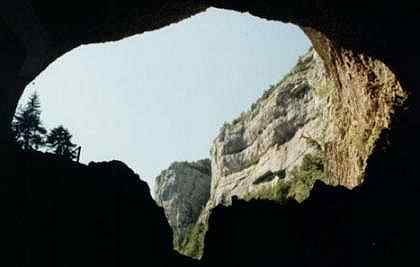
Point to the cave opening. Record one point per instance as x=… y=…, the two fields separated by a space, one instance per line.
x=369 y=49
x=159 y=97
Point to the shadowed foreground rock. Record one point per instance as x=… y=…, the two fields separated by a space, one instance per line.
x=331 y=229
x=375 y=224
x=60 y=213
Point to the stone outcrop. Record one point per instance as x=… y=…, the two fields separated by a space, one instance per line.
x=259 y=154
x=183 y=190
x=265 y=144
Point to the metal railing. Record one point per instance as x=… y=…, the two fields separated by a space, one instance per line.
x=78 y=150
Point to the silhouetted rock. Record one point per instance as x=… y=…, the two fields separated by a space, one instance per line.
x=375 y=224
x=57 y=212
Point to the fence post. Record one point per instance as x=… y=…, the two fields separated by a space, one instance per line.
x=79 y=149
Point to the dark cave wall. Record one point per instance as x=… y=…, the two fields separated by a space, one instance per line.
x=335 y=227
x=56 y=212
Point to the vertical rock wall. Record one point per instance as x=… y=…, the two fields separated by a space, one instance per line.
x=366 y=94
x=267 y=142
x=183 y=190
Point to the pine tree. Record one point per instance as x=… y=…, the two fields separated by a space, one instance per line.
x=59 y=142
x=27 y=127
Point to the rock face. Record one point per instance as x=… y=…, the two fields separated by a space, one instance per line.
x=367 y=94
x=259 y=154
x=183 y=190
x=265 y=144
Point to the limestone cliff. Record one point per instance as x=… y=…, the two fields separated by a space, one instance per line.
x=296 y=133
x=265 y=144
x=275 y=150
x=367 y=94
x=183 y=190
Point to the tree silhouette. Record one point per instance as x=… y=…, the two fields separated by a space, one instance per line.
x=27 y=127
x=59 y=142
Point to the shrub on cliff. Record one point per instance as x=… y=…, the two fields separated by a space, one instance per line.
x=304 y=176
x=193 y=244
x=299 y=187
x=277 y=191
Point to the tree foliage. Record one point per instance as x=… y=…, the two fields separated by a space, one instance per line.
x=27 y=126
x=59 y=142
x=29 y=133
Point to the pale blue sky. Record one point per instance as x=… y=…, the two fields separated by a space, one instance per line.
x=162 y=96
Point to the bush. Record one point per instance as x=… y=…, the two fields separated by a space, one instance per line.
x=193 y=243
x=276 y=192
x=300 y=184
x=304 y=176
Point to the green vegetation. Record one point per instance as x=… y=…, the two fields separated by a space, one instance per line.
x=225 y=126
x=193 y=244
x=239 y=119
x=299 y=186
x=304 y=176
x=281 y=174
x=277 y=192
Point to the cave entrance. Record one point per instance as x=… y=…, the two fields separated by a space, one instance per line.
x=351 y=46
x=160 y=97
